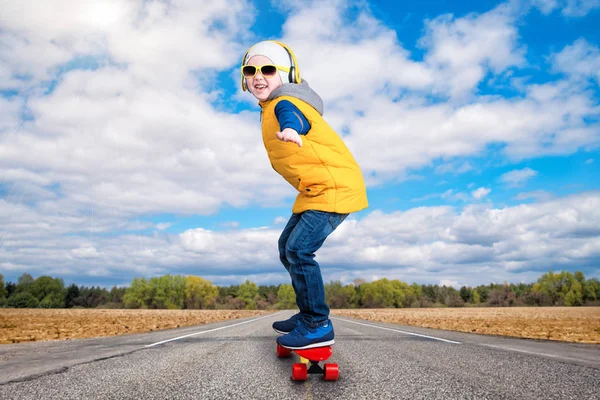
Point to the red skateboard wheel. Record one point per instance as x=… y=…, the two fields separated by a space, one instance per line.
x=282 y=351
x=299 y=372
x=331 y=372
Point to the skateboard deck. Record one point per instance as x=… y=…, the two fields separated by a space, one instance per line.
x=313 y=357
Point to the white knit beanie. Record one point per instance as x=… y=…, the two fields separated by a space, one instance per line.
x=273 y=51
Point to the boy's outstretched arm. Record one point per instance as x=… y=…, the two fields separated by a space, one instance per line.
x=292 y=122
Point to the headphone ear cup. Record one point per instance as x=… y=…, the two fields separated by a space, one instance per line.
x=292 y=75
x=244 y=85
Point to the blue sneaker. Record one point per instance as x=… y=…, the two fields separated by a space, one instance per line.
x=304 y=337
x=288 y=325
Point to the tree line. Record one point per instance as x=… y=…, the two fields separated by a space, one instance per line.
x=193 y=292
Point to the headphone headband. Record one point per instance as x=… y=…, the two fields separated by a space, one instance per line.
x=294 y=70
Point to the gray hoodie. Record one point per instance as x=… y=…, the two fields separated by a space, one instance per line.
x=300 y=91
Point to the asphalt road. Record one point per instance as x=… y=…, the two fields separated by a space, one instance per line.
x=237 y=360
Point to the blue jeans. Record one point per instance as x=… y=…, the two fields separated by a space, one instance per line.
x=303 y=235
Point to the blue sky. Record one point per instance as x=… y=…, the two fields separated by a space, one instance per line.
x=128 y=148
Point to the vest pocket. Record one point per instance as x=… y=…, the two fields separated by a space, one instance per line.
x=310 y=190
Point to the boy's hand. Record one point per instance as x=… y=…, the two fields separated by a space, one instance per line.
x=289 y=135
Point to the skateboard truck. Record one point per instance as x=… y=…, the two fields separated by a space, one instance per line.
x=314 y=356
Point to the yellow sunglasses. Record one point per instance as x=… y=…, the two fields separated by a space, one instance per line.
x=267 y=70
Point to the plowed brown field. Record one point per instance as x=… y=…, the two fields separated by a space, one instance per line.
x=581 y=325
x=30 y=325
x=568 y=324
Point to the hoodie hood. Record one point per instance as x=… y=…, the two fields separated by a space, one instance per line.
x=300 y=91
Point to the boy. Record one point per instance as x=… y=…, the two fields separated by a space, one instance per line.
x=310 y=155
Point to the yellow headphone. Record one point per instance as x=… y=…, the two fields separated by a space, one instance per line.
x=294 y=75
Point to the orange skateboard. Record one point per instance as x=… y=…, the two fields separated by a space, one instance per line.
x=314 y=356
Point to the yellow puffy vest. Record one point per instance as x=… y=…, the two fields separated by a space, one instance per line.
x=323 y=170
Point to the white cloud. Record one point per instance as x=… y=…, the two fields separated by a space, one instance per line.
x=452 y=283
x=462 y=50
x=550 y=118
x=474 y=245
x=459 y=51
x=320 y=36
x=129 y=33
x=134 y=135
x=480 y=193
x=139 y=134
x=581 y=60
x=9 y=113
x=518 y=177
x=137 y=137
x=85 y=252
x=163 y=225
x=280 y=221
x=569 y=8
x=538 y=195
x=545 y=6
x=579 y=8
x=454 y=167
x=452 y=196
x=448 y=195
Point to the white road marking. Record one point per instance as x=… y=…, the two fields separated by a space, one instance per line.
x=528 y=352
x=210 y=330
x=398 y=330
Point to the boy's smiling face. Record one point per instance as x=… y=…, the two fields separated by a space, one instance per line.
x=260 y=86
